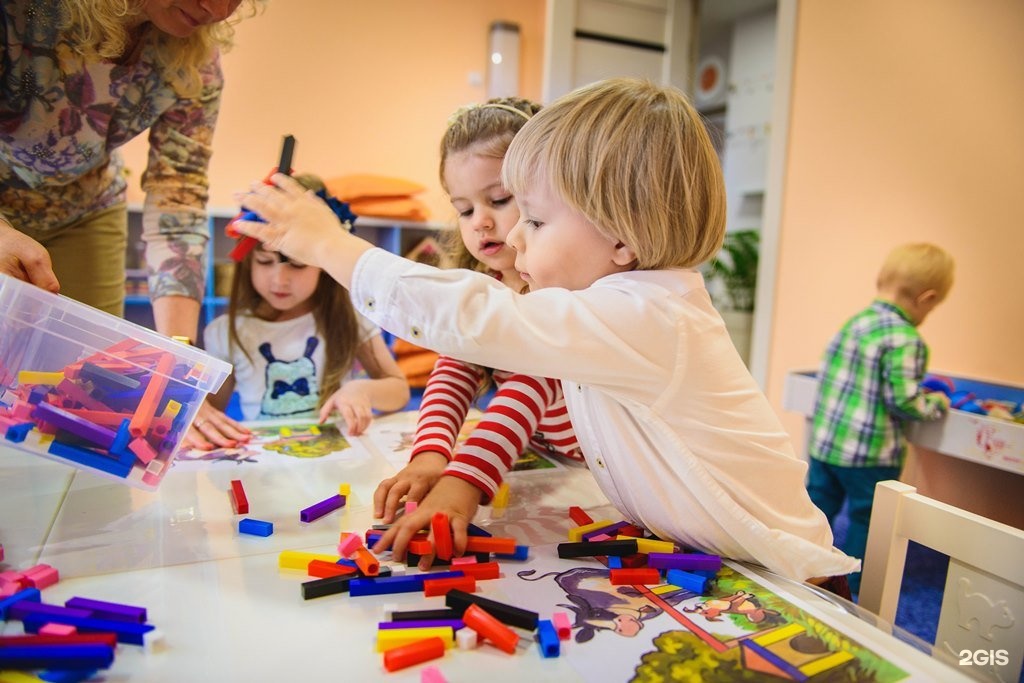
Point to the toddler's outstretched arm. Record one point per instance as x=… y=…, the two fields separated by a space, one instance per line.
x=301 y=226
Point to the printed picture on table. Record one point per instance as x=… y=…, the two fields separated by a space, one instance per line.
x=738 y=630
x=303 y=440
x=529 y=461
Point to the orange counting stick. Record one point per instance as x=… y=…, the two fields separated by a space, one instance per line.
x=490 y=628
x=489 y=544
x=323 y=569
x=481 y=570
x=434 y=587
x=367 y=563
x=151 y=397
x=442 y=535
x=414 y=653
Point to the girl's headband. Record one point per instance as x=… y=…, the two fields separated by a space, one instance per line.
x=490 y=105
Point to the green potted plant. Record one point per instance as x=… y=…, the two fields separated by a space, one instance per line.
x=736 y=267
x=732 y=279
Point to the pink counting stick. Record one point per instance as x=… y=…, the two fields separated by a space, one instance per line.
x=562 y=625
x=350 y=544
x=432 y=674
x=57 y=630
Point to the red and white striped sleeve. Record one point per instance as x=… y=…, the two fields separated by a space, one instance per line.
x=507 y=426
x=446 y=399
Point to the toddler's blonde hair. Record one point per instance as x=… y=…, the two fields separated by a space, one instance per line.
x=914 y=268
x=636 y=160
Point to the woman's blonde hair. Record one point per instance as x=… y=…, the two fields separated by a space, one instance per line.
x=636 y=160
x=333 y=312
x=915 y=268
x=488 y=130
x=102 y=30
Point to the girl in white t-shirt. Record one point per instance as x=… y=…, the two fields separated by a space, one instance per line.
x=296 y=344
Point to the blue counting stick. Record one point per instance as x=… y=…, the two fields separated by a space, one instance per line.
x=126 y=631
x=31 y=594
x=687 y=580
x=547 y=639
x=77 y=656
x=255 y=527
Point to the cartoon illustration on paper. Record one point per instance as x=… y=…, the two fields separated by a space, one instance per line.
x=739 y=631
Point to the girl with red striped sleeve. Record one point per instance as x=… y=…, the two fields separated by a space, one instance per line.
x=526 y=410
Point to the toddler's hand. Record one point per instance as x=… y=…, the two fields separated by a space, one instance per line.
x=298 y=223
x=456 y=498
x=413 y=482
x=354 y=407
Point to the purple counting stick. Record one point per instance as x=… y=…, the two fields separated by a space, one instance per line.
x=108 y=610
x=686 y=561
x=610 y=530
x=318 y=510
x=456 y=624
x=20 y=609
x=78 y=426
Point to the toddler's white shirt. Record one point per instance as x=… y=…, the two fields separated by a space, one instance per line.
x=675 y=430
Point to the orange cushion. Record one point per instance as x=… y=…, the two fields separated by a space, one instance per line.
x=391 y=207
x=415 y=362
x=360 y=185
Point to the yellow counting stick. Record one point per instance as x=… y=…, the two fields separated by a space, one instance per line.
x=576 y=533
x=388 y=638
x=296 y=559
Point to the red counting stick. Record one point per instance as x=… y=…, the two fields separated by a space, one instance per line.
x=442 y=535
x=629 y=577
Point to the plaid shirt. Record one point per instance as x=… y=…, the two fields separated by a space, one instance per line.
x=868 y=388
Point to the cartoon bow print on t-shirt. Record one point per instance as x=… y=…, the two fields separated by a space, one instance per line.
x=292 y=387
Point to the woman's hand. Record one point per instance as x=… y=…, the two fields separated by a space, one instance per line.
x=213 y=429
x=455 y=497
x=413 y=483
x=23 y=258
x=353 y=404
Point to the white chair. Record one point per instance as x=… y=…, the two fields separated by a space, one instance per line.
x=981 y=620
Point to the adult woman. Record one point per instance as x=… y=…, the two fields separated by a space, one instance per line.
x=78 y=80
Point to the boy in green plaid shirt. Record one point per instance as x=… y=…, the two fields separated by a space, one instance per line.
x=869 y=387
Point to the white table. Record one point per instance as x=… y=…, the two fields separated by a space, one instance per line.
x=227 y=613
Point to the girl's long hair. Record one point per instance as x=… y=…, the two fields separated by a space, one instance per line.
x=488 y=130
x=333 y=312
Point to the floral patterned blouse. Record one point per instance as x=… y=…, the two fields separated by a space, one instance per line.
x=62 y=120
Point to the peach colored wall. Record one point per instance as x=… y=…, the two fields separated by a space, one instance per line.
x=364 y=87
x=905 y=126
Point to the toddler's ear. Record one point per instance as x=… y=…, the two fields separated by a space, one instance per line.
x=623 y=256
x=928 y=296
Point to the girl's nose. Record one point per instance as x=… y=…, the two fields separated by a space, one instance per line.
x=482 y=221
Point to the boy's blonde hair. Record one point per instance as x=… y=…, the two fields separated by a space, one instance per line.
x=636 y=160
x=487 y=130
x=912 y=269
x=101 y=30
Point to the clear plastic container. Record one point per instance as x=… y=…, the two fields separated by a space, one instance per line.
x=91 y=390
